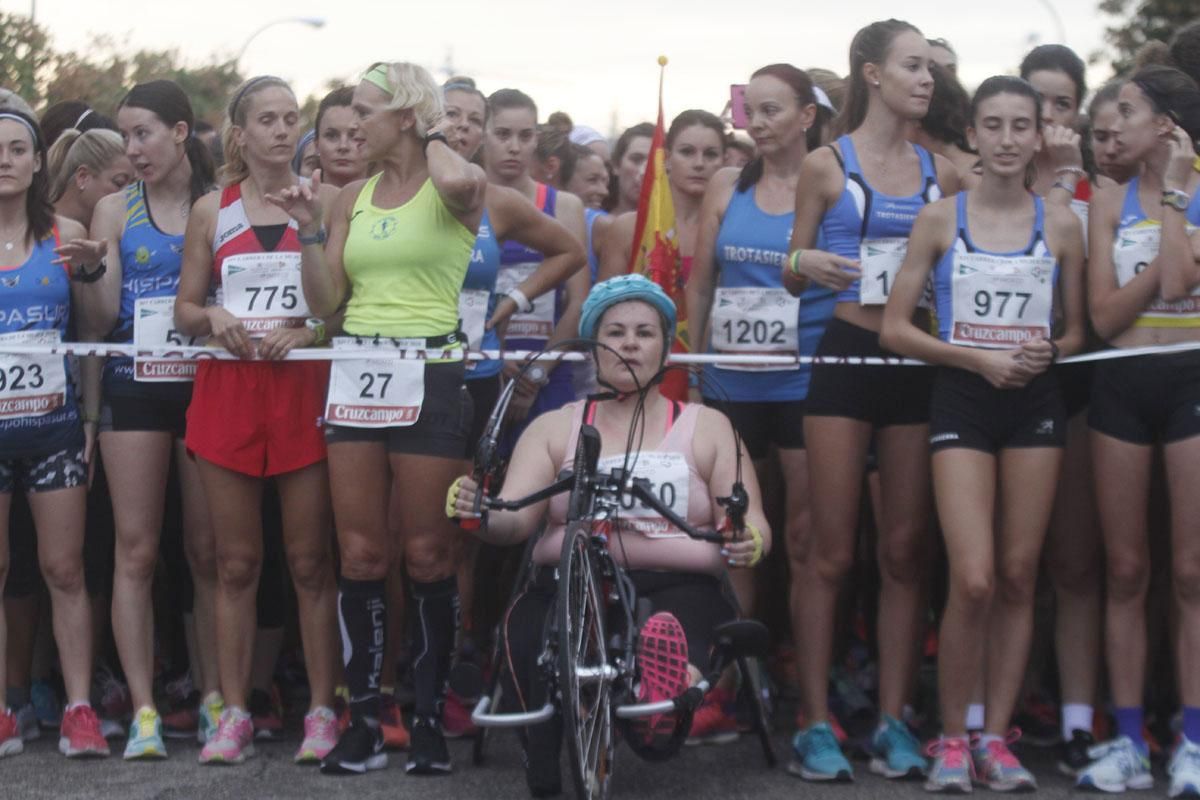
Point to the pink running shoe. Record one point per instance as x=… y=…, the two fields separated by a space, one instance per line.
x=663 y=663
x=11 y=742
x=79 y=736
x=320 y=736
x=234 y=741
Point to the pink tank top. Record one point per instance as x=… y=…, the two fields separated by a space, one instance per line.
x=642 y=539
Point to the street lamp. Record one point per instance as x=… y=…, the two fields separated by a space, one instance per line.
x=312 y=22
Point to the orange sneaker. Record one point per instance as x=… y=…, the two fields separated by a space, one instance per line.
x=395 y=735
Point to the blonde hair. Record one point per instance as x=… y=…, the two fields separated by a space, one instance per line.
x=412 y=87
x=96 y=149
x=235 y=169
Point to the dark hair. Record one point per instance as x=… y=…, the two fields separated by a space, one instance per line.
x=1007 y=84
x=1173 y=93
x=168 y=102
x=1057 y=58
x=942 y=43
x=339 y=97
x=802 y=86
x=39 y=211
x=690 y=118
x=554 y=142
x=60 y=116
x=461 y=83
x=1185 y=49
x=641 y=130
x=560 y=120
x=505 y=99
x=203 y=127
x=579 y=153
x=949 y=110
x=869 y=46
x=1105 y=94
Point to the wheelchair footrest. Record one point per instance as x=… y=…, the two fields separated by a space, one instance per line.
x=520 y=719
x=638 y=710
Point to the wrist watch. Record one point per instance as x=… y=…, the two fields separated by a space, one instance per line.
x=317 y=326
x=537 y=374
x=317 y=238
x=1176 y=199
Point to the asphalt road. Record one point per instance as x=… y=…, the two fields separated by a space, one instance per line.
x=708 y=773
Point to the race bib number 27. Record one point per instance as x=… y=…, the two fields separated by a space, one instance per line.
x=374 y=393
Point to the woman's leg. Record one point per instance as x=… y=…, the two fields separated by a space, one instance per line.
x=307 y=539
x=1027 y=487
x=1183 y=476
x=839 y=446
x=234 y=502
x=137 y=463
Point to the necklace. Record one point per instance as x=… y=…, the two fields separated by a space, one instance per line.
x=9 y=244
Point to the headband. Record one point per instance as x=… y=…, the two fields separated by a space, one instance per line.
x=823 y=99
x=298 y=159
x=33 y=134
x=250 y=84
x=377 y=75
x=460 y=87
x=82 y=117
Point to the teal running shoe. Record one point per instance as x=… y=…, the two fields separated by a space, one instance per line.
x=895 y=752
x=816 y=755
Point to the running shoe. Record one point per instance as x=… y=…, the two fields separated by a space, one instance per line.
x=391 y=723
x=998 y=769
x=79 y=735
x=427 y=754
x=46 y=705
x=145 y=736
x=358 y=750
x=1117 y=765
x=952 y=771
x=27 y=722
x=112 y=695
x=11 y=742
x=320 y=736
x=816 y=755
x=1037 y=718
x=712 y=723
x=182 y=717
x=1073 y=753
x=662 y=658
x=233 y=742
x=456 y=718
x=266 y=713
x=211 y=709
x=1184 y=770
x=341 y=707
x=895 y=752
x=838 y=730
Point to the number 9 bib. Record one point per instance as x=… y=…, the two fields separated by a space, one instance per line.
x=1133 y=250
x=375 y=393
x=755 y=320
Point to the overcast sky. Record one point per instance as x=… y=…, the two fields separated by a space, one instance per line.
x=594 y=60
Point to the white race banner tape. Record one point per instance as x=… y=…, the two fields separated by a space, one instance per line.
x=104 y=350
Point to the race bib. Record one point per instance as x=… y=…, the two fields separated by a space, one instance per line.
x=1133 y=250
x=375 y=393
x=755 y=320
x=472 y=310
x=154 y=326
x=538 y=323
x=668 y=476
x=881 y=260
x=31 y=385
x=1001 y=301
x=1080 y=207
x=263 y=290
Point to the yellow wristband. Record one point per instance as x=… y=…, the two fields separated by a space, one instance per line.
x=794 y=262
x=757 y=536
x=452 y=497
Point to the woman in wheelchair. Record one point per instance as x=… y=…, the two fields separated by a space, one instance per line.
x=686 y=455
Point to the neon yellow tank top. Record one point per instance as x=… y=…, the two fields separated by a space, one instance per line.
x=406 y=266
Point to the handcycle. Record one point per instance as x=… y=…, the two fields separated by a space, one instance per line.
x=589 y=658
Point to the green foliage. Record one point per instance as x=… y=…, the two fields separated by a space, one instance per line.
x=24 y=55
x=1149 y=20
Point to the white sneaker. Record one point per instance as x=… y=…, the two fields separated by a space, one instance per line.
x=1118 y=765
x=1184 y=770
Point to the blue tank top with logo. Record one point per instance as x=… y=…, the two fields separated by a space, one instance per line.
x=590 y=215
x=751 y=249
x=481 y=276
x=36 y=296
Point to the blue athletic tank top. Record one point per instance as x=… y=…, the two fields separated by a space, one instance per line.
x=863 y=213
x=36 y=296
x=751 y=249
x=150 y=262
x=943 y=273
x=590 y=215
x=481 y=276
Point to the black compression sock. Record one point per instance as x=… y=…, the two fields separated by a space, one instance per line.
x=436 y=610
x=362 y=616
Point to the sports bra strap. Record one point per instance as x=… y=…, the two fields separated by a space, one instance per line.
x=673 y=412
x=838 y=155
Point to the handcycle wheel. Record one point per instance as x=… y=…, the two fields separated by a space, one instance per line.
x=585 y=677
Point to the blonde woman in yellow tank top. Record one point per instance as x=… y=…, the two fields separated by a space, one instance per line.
x=396 y=253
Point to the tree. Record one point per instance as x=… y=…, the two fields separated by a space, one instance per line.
x=1150 y=20
x=24 y=54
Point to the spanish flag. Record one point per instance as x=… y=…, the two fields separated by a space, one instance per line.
x=655 y=244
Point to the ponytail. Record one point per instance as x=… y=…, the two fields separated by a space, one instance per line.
x=204 y=171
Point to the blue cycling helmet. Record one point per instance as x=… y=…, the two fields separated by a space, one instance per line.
x=608 y=293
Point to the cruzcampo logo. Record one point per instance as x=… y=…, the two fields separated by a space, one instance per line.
x=146 y=312
x=234 y=269
x=384 y=228
x=142 y=255
x=875 y=251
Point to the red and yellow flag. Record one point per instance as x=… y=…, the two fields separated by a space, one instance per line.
x=655 y=244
